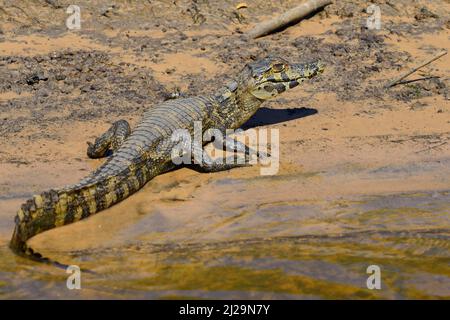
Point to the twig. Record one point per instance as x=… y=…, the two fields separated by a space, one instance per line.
x=33 y=19
x=419 y=79
x=395 y=81
x=432 y=147
x=288 y=17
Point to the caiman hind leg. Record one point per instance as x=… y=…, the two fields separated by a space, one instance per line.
x=110 y=140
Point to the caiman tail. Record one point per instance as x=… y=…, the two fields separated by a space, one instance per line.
x=55 y=208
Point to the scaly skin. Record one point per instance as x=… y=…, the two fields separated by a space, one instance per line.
x=146 y=153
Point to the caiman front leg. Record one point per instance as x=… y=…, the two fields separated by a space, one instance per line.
x=211 y=165
x=110 y=140
x=231 y=144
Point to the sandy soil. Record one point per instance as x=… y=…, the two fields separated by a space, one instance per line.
x=351 y=152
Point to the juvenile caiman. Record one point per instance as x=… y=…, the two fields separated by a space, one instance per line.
x=146 y=152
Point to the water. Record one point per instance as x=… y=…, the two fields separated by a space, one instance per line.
x=176 y=240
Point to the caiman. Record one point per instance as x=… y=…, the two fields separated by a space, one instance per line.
x=138 y=156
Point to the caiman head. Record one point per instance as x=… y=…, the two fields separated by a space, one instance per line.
x=260 y=81
x=271 y=76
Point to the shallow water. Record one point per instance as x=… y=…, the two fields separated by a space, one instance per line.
x=174 y=240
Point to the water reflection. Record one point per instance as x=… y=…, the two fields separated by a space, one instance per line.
x=274 y=250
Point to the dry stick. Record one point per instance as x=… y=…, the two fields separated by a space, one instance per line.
x=432 y=147
x=395 y=81
x=288 y=17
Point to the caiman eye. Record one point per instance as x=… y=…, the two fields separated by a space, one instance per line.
x=278 y=67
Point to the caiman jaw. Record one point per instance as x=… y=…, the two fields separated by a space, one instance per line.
x=305 y=71
x=309 y=70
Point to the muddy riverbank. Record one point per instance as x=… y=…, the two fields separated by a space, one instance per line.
x=364 y=173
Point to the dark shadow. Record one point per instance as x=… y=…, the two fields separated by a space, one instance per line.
x=266 y=116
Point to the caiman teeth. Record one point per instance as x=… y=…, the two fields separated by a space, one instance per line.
x=281 y=81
